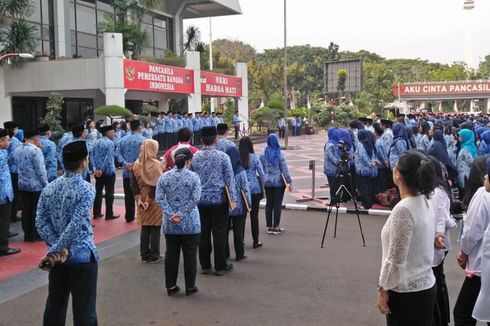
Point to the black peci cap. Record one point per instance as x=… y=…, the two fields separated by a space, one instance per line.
x=30 y=133
x=134 y=124
x=74 y=152
x=44 y=128
x=3 y=133
x=387 y=123
x=209 y=132
x=222 y=127
x=10 y=124
x=77 y=128
x=106 y=128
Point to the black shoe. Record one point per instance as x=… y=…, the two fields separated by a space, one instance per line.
x=113 y=217
x=9 y=251
x=173 y=290
x=191 y=291
x=258 y=245
x=206 y=271
x=241 y=258
x=156 y=260
x=129 y=220
x=13 y=234
x=96 y=216
x=227 y=269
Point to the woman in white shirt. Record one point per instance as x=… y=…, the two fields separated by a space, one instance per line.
x=407 y=290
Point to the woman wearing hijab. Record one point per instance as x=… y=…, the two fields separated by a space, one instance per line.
x=424 y=139
x=484 y=147
x=400 y=143
x=242 y=200
x=439 y=150
x=466 y=155
x=366 y=167
x=411 y=139
x=276 y=181
x=255 y=175
x=384 y=180
x=331 y=155
x=178 y=193
x=146 y=171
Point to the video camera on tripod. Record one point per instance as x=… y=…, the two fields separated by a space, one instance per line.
x=344 y=155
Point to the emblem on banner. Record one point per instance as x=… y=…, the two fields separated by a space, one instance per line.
x=187 y=78
x=130 y=73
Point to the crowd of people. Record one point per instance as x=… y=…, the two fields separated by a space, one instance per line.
x=194 y=196
x=433 y=162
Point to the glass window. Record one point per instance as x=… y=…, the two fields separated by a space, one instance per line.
x=72 y=16
x=87 y=40
x=159 y=53
x=46 y=11
x=160 y=22
x=86 y=20
x=87 y=53
x=148 y=19
x=36 y=13
x=160 y=38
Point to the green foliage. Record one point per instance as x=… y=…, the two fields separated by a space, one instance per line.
x=229 y=111
x=343 y=114
x=16 y=8
x=305 y=112
x=484 y=68
x=147 y=111
x=276 y=104
x=206 y=106
x=19 y=37
x=112 y=111
x=134 y=39
x=52 y=117
x=341 y=79
x=192 y=38
x=167 y=60
x=267 y=117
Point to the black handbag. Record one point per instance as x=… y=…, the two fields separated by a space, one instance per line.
x=261 y=185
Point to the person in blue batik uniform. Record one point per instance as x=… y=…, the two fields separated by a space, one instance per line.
x=49 y=152
x=366 y=167
x=381 y=149
x=399 y=145
x=331 y=156
x=223 y=142
x=276 y=174
x=77 y=134
x=105 y=173
x=127 y=153
x=63 y=221
x=255 y=174
x=467 y=153
x=239 y=214
x=32 y=179
x=216 y=173
x=12 y=129
x=178 y=192
x=6 y=197
x=147 y=131
x=160 y=124
x=196 y=129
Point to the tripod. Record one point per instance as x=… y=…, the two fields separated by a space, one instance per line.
x=343 y=176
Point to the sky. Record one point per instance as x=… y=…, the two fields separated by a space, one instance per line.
x=431 y=30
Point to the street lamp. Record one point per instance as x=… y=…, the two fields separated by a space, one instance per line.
x=20 y=55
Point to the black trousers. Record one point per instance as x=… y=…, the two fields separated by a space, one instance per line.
x=29 y=209
x=188 y=244
x=107 y=182
x=273 y=205
x=332 y=184
x=4 y=225
x=365 y=187
x=150 y=242
x=79 y=280
x=281 y=132
x=412 y=308
x=465 y=303
x=128 y=200
x=17 y=201
x=214 y=220
x=237 y=224
x=254 y=217
x=237 y=130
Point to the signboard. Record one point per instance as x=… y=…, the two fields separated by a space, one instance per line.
x=213 y=84
x=147 y=76
x=353 y=83
x=451 y=89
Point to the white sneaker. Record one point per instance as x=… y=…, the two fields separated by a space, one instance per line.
x=270 y=231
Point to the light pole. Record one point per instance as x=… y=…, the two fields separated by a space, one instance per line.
x=285 y=80
x=20 y=55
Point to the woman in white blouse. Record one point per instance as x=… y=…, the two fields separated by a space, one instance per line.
x=407 y=290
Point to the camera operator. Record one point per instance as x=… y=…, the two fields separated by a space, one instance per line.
x=336 y=158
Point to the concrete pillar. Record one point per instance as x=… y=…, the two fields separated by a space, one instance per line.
x=113 y=69
x=179 y=29
x=62 y=34
x=193 y=61
x=5 y=100
x=241 y=70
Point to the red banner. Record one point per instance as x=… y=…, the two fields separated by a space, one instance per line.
x=213 y=84
x=434 y=89
x=147 y=76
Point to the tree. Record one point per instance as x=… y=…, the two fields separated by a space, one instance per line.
x=192 y=38
x=52 y=117
x=113 y=111
x=341 y=79
x=20 y=36
x=484 y=68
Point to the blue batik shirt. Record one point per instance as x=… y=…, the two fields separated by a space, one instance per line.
x=331 y=160
x=50 y=159
x=65 y=139
x=91 y=136
x=178 y=192
x=128 y=151
x=147 y=133
x=161 y=125
x=31 y=168
x=381 y=153
x=102 y=157
x=273 y=178
x=6 y=191
x=363 y=162
x=14 y=144
x=463 y=165
x=224 y=144
x=241 y=184
x=214 y=169
x=255 y=171
x=236 y=121
x=396 y=150
x=63 y=218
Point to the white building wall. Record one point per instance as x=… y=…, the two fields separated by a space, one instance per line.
x=242 y=71
x=114 y=69
x=5 y=100
x=193 y=62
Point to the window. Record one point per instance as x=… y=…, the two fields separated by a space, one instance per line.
x=42 y=19
x=159 y=29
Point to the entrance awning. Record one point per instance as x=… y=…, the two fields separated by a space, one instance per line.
x=211 y=8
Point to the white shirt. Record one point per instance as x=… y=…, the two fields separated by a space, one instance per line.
x=407 y=240
x=444 y=222
x=481 y=311
x=475 y=221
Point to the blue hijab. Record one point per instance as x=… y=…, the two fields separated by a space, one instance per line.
x=345 y=136
x=486 y=138
x=438 y=149
x=20 y=135
x=366 y=138
x=479 y=131
x=333 y=135
x=468 y=141
x=235 y=159
x=273 y=149
x=400 y=133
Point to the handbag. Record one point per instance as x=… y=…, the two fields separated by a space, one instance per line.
x=261 y=185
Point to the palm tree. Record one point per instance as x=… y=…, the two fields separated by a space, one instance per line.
x=193 y=38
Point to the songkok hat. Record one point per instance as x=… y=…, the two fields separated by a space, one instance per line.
x=135 y=124
x=209 y=131
x=387 y=123
x=44 y=128
x=30 y=133
x=77 y=128
x=74 y=152
x=222 y=127
x=3 y=133
x=10 y=124
x=106 y=128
